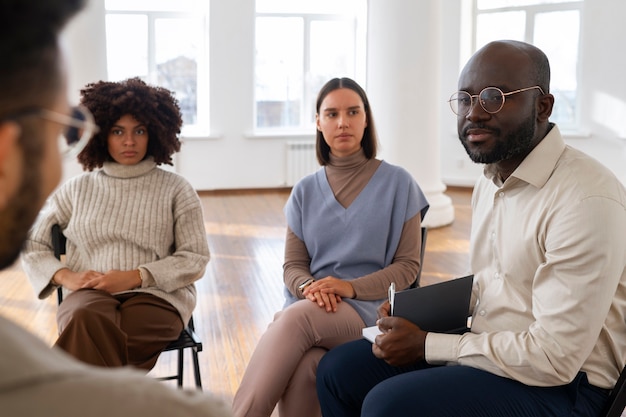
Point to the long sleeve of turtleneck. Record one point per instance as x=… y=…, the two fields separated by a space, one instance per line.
x=347 y=177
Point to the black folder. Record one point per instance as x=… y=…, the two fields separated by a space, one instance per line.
x=441 y=307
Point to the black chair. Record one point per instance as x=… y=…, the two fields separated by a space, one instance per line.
x=416 y=283
x=617 y=399
x=188 y=339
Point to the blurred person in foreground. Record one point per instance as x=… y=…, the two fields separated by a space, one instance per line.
x=37 y=380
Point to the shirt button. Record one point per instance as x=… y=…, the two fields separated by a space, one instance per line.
x=501 y=194
x=482 y=312
x=496 y=275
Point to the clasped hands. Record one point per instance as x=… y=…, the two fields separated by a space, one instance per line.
x=111 y=281
x=401 y=342
x=328 y=292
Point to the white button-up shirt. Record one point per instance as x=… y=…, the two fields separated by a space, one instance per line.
x=548 y=253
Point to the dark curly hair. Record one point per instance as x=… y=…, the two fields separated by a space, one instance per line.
x=154 y=106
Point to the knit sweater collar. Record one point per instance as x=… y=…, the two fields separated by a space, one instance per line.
x=113 y=169
x=355 y=160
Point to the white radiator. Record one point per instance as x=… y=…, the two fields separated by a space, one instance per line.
x=301 y=160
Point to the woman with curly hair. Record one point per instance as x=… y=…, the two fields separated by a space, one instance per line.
x=135 y=233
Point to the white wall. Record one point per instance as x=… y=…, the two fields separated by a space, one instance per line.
x=603 y=91
x=232 y=157
x=604 y=83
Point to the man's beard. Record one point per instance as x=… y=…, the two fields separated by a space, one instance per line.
x=19 y=214
x=515 y=144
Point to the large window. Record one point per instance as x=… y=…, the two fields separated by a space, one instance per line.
x=299 y=46
x=163 y=42
x=553 y=26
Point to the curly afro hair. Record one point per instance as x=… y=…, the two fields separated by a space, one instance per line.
x=156 y=107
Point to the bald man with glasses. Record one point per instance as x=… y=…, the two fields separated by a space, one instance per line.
x=548 y=254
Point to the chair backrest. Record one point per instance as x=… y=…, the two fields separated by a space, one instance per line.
x=617 y=399
x=58 y=246
x=416 y=283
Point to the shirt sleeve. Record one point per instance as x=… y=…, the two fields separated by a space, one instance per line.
x=296 y=269
x=66 y=387
x=570 y=296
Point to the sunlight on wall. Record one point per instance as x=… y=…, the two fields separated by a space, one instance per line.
x=610 y=112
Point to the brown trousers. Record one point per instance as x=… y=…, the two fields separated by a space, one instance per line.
x=116 y=330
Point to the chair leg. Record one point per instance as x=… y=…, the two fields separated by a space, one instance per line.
x=196 y=368
x=181 y=360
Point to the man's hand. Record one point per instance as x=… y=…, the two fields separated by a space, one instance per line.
x=327 y=292
x=402 y=342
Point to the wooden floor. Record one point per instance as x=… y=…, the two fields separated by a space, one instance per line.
x=242 y=287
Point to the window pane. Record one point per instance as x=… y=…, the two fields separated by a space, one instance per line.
x=307 y=6
x=494 y=4
x=176 y=54
x=332 y=45
x=495 y=26
x=563 y=54
x=156 y=5
x=301 y=44
x=127 y=49
x=279 y=71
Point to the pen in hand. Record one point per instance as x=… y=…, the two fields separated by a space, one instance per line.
x=392 y=295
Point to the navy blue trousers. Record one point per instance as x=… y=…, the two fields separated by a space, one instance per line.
x=351 y=381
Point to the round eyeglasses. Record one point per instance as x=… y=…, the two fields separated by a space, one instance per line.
x=78 y=127
x=491 y=99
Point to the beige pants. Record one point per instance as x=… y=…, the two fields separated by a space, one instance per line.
x=283 y=366
x=116 y=330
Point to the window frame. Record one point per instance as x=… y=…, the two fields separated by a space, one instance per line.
x=202 y=127
x=532 y=10
x=308 y=97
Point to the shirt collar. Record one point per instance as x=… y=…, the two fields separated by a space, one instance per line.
x=538 y=166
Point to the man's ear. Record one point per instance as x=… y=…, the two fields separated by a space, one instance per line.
x=10 y=161
x=545 y=104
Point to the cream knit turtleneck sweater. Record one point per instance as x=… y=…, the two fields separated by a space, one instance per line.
x=125 y=217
